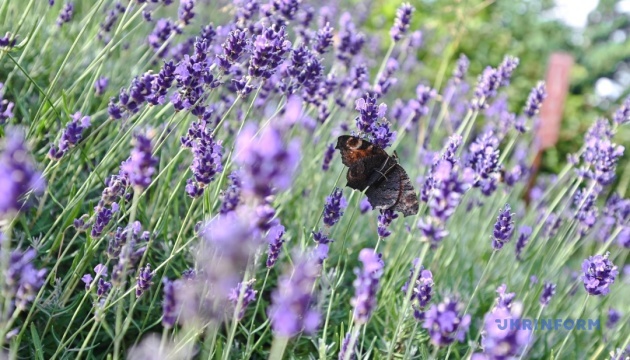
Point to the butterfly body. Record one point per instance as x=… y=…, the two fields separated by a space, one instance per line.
x=370 y=167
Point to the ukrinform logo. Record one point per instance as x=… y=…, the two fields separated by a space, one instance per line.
x=548 y=324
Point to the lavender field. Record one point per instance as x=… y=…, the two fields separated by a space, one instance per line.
x=172 y=187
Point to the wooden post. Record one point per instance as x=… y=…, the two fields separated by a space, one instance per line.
x=548 y=129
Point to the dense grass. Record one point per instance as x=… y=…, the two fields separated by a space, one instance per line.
x=50 y=75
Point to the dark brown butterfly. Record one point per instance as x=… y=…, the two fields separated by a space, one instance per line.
x=387 y=183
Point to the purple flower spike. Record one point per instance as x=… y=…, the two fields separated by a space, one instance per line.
x=523 y=238
x=268 y=53
x=267 y=164
x=170 y=305
x=233 y=47
x=66 y=14
x=500 y=340
x=535 y=99
x=23 y=280
x=369 y=113
x=333 y=209
x=275 y=240
x=613 y=318
x=71 y=135
x=100 y=85
x=599 y=274
x=18 y=174
x=384 y=221
x=144 y=280
x=504 y=298
x=8 y=40
x=207 y=154
x=445 y=324
x=365 y=206
x=366 y=285
x=249 y=295
x=323 y=39
x=343 y=352
x=549 y=290
x=622 y=115
x=422 y=289
x=461 y=69
x=401 y=24
x=486 y=88
x=328 y=155
x=6 y=107
x=506 y=68
x=232 y=196
x=186 y=11
x=140 y=166
x=291 y=308
x=503 y=228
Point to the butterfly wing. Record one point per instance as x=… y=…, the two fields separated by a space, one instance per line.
x=367 y=171
x=394 y=191
x=407 y=199
x=354 y=149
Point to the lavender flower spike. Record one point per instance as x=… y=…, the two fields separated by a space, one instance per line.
x=384 y=221
x=503 y=228
x=401 y=24
x=445 y=324
x=275 y=240
x=140 y=166
x=535 y=99
x=549 y=290
x=501 y=342
x=523 y=238
x=622 y=115
x=335 y=204
x=599 y=274
x=249 y=295
x=144 y=280
x=66 y=14
x=18 y=173
x=366 y=285
x=170 y=310
x=291 y=303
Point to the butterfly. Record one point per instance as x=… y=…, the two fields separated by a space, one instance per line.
x=370 y=167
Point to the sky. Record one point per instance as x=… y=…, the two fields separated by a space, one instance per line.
x=574 y=12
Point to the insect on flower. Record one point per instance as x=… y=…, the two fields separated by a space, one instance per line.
x=370 y=167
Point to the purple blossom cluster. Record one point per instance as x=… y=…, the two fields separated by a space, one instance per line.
x=384 y=221
x=483 y=159
x=366 y=285
x=503 y=228
x=6 y=107
x=18 y=174
x=600 y=155
x=269 y=168
x=445 y=323
x=23 y=279
x=207 y=154
x=140 y=167
x=443 y=191
x=333 y=209
x=401 y=23
x=249 y=296
x=503 y=342
x=371 y=123
x=66 y=14
x=422 y=289
x=231 y=197
x=275 y=239
x=71 y=135
x=291 y=309
x=598 y=274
